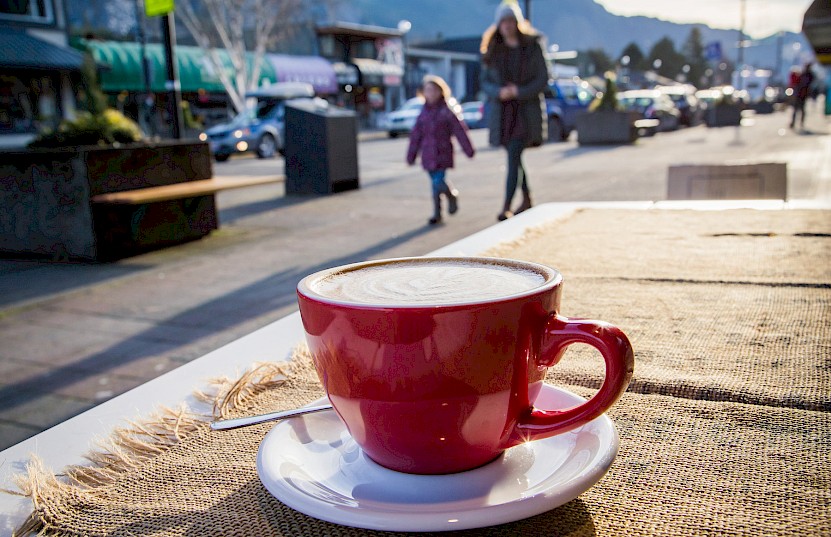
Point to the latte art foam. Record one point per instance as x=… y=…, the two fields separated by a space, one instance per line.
x=427 y=282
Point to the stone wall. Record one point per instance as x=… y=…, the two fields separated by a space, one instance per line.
x=45 y=207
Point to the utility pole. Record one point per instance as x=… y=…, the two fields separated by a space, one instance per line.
x=172 y=84
x=142 y=37
x=741 y=47
x=165 y=9
x=737 y=140
x=778 y=69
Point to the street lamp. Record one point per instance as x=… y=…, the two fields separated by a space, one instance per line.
x=553 y=49
x=624 y=69
x=404 y=26
x=685 y=73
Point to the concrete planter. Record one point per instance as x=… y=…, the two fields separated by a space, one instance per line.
x=607 y=127
x=46 y=208
x=725 y=115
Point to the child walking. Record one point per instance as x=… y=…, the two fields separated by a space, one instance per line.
x=431 y=135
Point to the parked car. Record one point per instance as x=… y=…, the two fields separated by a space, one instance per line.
x=259 y=128
x=565 y=99
x=652 y=104
x=402 y=120
x=708 y=98
x=473 y=113
x=683 y=95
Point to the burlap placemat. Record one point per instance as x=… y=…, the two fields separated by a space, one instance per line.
x=685 y=467
x=737 y=245
x=759 y=344
x=695 y=458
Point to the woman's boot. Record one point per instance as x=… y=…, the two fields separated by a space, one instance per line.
x=526 y=203
x=506 y=211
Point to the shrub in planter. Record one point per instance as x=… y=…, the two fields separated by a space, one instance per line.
x=97 y=125
x=605 y=122
x=726 y=112
x=108 y=128
x=608 y=101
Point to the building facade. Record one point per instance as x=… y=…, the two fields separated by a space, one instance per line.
x=38 y=70
x=369 y=64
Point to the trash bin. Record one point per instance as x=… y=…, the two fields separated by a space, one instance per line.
x=321 y=148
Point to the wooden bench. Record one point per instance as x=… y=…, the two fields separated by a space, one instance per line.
x=187 y=189
x=142 y=219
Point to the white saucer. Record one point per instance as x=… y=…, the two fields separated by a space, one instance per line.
x=313 y=465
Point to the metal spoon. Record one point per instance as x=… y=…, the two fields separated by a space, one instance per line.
x=222 y=425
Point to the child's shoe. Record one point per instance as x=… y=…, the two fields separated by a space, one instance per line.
x=452 y=201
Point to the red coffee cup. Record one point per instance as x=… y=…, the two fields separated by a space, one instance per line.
x=434 y=381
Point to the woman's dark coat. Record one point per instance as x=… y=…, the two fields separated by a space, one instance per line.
x=534 y=79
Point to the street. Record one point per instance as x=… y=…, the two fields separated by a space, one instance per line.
x=76 y=334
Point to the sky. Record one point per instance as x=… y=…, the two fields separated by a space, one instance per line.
x=762 y=17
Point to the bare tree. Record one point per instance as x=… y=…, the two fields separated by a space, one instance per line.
x=240 y=26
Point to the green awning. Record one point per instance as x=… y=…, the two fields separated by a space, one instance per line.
x=123 y=70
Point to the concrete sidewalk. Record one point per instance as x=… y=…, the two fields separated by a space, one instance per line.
x=73 y=335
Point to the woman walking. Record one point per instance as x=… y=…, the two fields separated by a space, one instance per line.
x=514 y=74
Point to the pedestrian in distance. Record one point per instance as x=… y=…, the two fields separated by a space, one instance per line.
x=432 y=137
x=801 y=93
x=514 y=75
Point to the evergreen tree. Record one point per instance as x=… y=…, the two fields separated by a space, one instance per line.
x=635 y=54
x=669 y=62
x=693 y=51
x=600 y=60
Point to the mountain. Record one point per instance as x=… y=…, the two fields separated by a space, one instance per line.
x=571 y=24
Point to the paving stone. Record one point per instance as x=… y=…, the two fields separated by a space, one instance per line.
x=13 y=433
x=44 y=411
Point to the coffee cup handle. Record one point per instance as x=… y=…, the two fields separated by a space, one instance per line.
x=559 y=333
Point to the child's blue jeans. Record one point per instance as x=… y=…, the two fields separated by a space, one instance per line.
x=439 y=184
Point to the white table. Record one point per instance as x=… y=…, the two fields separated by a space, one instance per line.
x=66 y=443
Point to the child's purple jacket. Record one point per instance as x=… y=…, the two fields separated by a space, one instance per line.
x=431 y=135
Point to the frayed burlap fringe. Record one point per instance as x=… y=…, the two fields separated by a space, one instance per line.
x=129 y=448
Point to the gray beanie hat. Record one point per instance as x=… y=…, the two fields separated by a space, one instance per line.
x=508 y=9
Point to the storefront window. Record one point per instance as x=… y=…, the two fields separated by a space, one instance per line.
x=366 y=49
x=327 y=46
x=16 y=111
x=27 y=10
x=44 y=92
